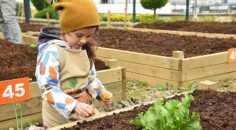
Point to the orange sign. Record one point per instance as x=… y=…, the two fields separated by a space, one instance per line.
x=15 y=90
x=232 y=55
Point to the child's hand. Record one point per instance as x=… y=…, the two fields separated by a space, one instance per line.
x=106 y=97
x=84 y=110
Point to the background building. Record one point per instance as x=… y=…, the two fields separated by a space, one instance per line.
x=172 y=7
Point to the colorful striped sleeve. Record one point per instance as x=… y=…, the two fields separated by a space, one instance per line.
x=95 y=86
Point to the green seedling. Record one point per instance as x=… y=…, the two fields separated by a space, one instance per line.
x=186 y=87
x=17 y=106
x=162 y=87
x=33 y=45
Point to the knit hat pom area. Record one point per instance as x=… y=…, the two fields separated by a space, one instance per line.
x=76 y=14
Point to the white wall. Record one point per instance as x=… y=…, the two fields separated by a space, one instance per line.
x=120 y=8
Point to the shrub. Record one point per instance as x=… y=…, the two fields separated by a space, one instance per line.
x=143 y=18
x=153 y=4
x=40 y=4
x=43 y=13
x=149 y=19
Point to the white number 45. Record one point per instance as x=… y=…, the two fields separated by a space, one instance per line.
x=18 y=92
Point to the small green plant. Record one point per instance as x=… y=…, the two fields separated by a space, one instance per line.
x=189 y=87
x=161 y=87
x=33 y=45
x=18 y=106
x=173 y=115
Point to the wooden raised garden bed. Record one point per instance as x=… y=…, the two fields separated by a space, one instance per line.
x=19 y=61
x=203 y=29
x=157 y=58
x=175 y=70
x=216 y=109
x=113 y=79
x=186 y=33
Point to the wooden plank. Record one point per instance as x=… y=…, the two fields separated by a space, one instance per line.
x=101 y=115
x=206 y=60
x=208 y=71
x=213 y=78
x=207 y=84
x=106 y=76
x=124 y=83
x=31 y=33
x=151 y=71
x=151 y=80
x=115 y=88
x=44 y=21
x=105 y=59
x=140 y=58
x=104 y=114
x=27 y=119
x=110 y=75
x=178 y=54
x=30 y=106
x=185 y=33
x=27 y=39
x=1 y=35
x=111 y=63
x=34 y=90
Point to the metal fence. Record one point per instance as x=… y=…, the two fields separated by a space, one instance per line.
x=205 y=6
x=196 y=6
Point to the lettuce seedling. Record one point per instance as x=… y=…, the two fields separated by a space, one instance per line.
x=173 y=115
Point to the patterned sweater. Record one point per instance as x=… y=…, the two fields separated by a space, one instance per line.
x=48 y=56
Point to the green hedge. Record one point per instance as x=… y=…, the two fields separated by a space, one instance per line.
x=143 y=18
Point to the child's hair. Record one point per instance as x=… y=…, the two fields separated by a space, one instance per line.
x=90 y=48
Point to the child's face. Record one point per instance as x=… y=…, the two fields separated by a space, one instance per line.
x=77 y=39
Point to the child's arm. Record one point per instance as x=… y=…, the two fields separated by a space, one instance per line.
x=96 y=88
x=47 y=74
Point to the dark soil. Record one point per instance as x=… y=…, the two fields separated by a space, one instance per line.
x=17 y=61
x=100 y=65
x=158 y=44
x=206 y=27
x=30 y=27
x=216 y=109
x=161 y=44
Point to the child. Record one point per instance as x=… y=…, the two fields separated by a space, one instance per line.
x=65 y=71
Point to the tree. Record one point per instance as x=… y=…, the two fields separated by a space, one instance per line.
x=153 y=4
x=40 y=4
x=44 y=8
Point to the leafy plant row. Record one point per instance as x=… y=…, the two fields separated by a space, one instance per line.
x=172 y=115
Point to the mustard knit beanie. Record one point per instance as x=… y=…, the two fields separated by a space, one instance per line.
x=77 y=14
